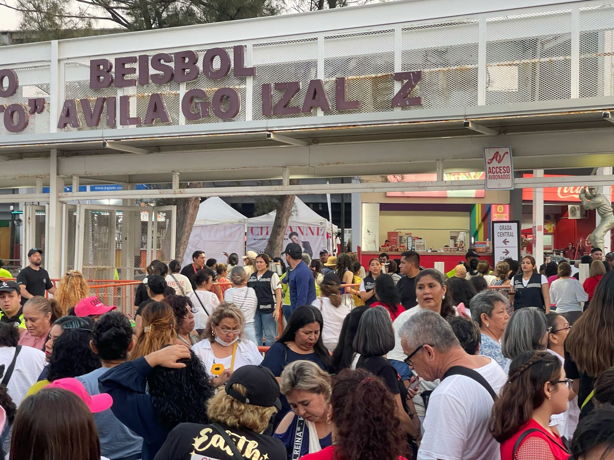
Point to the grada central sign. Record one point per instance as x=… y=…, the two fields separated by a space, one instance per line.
x=278 y=99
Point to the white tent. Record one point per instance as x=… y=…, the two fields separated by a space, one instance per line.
x=218 y=228
x=313 y=231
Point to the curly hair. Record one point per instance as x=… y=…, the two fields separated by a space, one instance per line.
x=235 y=414
x=6 y=402
x=112 y=336
x=180 y=395
x=9 y=335
x=363 y=409
x=72 y=355
x=524 y=392
x=344 y=262
x=179 y=303
x=71 y=290
x=158 y=329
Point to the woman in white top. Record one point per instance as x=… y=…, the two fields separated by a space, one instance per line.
x=203 y=300
x=333 y=310
x=567 y=294
x=180 y=283
x=484 y=270
x=244 y=298
x=225 y=347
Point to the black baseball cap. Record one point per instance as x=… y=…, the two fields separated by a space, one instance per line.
x=609 y=256
x=471 y=253
x=33 y=251
x=9 y=286
x=323 y=251
x=294 y=250
x=331 y=278
x=262 y=387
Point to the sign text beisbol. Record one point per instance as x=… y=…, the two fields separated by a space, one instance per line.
x=278 y=99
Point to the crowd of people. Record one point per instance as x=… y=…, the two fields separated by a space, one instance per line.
x=322 y=359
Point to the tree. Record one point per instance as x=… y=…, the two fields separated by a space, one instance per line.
x=315 y=5
x=44 y=20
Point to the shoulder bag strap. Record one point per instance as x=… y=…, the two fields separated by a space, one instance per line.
x=521 y=438
x=201 y=302
x=180 y=286
x=229 y=442
x=298 y=438
x=460 y=370
x=9 y=372
x=588 y=399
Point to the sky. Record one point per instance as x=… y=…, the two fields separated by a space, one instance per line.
x=9 y=19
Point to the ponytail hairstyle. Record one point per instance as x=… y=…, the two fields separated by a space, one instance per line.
x=46 y=306
x=524 y=392
x=332 y=291
x=362 y=405
x=503 y=268
x=158 y=329
x=203 y=276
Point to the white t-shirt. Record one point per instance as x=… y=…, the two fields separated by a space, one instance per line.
x=209 y=302
x=333 y=318
x=29 y=365
x=526 y=282
x=182 y=281
x=247 y=354
x=245 y=299
x=456 y=423
x=567 y=294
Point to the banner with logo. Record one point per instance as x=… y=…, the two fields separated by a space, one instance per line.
x=499 y=168
x=566 y=194
x=311 y=238
x=215 y=240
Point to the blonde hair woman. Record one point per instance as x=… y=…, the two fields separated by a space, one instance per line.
x=308 y=389
x=158 y=330
x=241 y=410
x=225 y=346
x=71 y=290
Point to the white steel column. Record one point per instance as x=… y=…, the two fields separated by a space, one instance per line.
x=356 y=218
x=538 y=221
x=607 y=191
x=53 y=239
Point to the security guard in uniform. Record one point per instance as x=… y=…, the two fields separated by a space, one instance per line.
x=10 y=304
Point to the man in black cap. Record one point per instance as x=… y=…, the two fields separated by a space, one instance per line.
x=300 y=280
x=10 y=304
x=34 y=280
x=238 y=416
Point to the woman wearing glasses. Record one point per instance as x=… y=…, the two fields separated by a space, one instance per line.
x=558 y=330
x=225 y=346
x=537 y=389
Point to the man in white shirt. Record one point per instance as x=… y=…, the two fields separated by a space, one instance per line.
x=458 y=414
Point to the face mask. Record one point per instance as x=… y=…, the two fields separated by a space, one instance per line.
x=225 y=344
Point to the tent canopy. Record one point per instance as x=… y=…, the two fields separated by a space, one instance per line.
x=215 y=211
x=302 y=215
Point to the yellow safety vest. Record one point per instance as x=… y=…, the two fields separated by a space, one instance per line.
x=22 y=322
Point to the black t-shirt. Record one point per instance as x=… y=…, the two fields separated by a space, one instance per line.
x=190 y=272
x=139 y=311
x=35 y=281
x=586 y=384
x=141 y=294
x=407 y=289
x=190 y=441
x=380 y=367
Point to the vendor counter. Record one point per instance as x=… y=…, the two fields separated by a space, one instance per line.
x=427 y=259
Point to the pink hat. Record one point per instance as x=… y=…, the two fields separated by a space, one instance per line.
x=96 y=403
x=91 y=306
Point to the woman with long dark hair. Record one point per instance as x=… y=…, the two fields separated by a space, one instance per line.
x=362 y=408
x=460 y=292
x=344 y=354
x=300 y=340
x=54 y=424
x=536 y=390
x=157 y=392
x=388 y=296
x=368 y=283
x=589 y=347
x=529 y=288
x=345 y=272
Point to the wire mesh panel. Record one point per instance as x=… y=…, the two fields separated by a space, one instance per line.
x=283 y=62
x=529 y=57
x=164 y=248
x=597 y=51
x=367 y=60
x=99 y=244
x=70 y=237
x=33 y=84
x=447 y=55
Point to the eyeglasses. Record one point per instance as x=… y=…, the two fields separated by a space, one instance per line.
x=226 y=331
x=553 y=331
x=567 y=382
x=408 y=359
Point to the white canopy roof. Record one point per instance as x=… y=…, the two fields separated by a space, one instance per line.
x=302 y=215
x=215 y=211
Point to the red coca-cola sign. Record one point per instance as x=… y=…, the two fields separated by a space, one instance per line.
x=566 y=194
